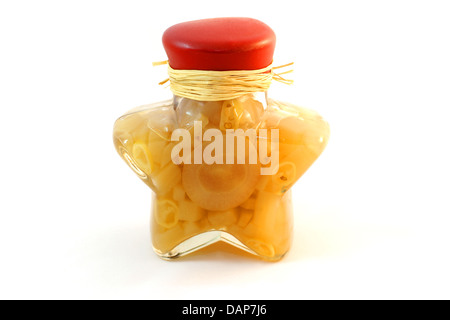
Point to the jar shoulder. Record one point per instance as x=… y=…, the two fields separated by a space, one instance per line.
x=298 y=126
x=252 y=113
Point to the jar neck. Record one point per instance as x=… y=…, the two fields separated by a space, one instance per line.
x=261 y=96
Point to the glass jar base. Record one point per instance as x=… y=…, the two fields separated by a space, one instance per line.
x=208 y=238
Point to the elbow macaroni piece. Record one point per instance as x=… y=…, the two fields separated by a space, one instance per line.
x=166 y=155
x=266 y=210
x=244 y=218
x=178 y=193
x=167 y=178
x=142 y=157
x=223 y=218
x=231 y=114
x=249 y=204
x=156 y=148
x=261 y=247
x=286 y=176
x=189 y=211
x=167 y=213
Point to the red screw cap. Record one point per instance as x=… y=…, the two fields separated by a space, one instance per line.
x=220 y=44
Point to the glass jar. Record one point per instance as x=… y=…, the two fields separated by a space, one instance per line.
x=221 y=170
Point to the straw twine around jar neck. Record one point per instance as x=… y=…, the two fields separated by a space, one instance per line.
x=208 y=85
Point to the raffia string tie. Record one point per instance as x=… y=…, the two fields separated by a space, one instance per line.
x=205 y=85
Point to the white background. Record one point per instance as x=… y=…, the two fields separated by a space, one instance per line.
x=372 y=215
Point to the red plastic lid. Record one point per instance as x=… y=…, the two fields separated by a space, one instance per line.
x=220 y=44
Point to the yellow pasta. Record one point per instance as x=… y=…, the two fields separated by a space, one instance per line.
x=220 y=219
x=166 y=213
x=189 y=111
x=220 y=187
x=167 y=178
x=302 y=158
x=266 y=210
x=284 y=179
x=142 y=157
x=261 y=247
x=262 y=183
x=291 y=130
x=166 y=155
x=231 y=114
x=153 y=136
x=253 y=110
x=249 y=204
x=189 y=211
x=203 y=119
x=123 y=138
x=212 y=110
x=235 y=198
x=168 y=239
x=191 y=229
x=133 y=124
x=284 y=225
x=178 y=193
x=156 y=148
x=244 y=217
